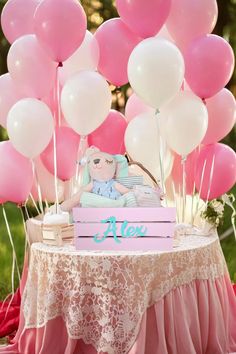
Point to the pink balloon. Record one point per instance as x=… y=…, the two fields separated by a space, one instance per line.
x=189 y=19
x=2 y=201
x=17 y=18
x=109 y=137
x=144 y=18
x=116 y=43
x=190 y=167
x=9 y=95
x=16 y=177
x=67 y=145
x=135 y=106
x=31 y=69
x=60 y=26
x=209 y=62
x=221 y=116
x=223 y=170
x=47 y=184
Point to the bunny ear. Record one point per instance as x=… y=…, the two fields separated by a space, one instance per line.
x=122 y=166
x=85 y=176
x=91 y=150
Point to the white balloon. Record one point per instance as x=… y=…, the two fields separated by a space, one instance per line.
x=156 y=71
x=183 y=122
x=86 y=101
x=86 y=57
x=142 y=141
x=30 y=126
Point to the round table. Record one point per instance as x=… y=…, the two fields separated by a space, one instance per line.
x=128 y=302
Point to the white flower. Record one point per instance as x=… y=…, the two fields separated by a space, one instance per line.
x=218 y=207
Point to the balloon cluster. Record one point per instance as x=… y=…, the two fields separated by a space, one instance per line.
x=178 y=73
x=57 y=92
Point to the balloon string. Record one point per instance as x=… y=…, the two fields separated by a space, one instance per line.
x=39 y=192
x=81 y=151
x=26 y=211
x=200 y=189
x=58 y=97
x=211 y=177
x=34 y=202
x=11 y=296
x=13 y=289
x=14 y=265
x=179 y=199
x=56 y=112
x=35 y=174
x=209 y=186
x=55 y=171
x=175 y=199
x=11 y=239
x=192 y=203
x=46 y=203
x=27 y=242
x=183 y=162
x=160 y=151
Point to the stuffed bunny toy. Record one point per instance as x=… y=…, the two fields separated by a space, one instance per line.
x=102 y=168
x=99 y=175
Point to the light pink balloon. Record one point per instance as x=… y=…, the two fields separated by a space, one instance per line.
x=16 y=177
x=109 y=137
x=224 y=170
x=116 y=43
x=189 y=19
x=32 y=70
x=221 y=116
x=135 y=106
x=60 y=27
x=144 y=18
x=190 y=167
x=209 y=64
x=9 y=95
x=67 y=145
x=53 y=102
x=17 y=18
x=47 y=184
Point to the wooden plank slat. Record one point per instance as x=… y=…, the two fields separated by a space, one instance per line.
x=121 y=214
x=139 y=244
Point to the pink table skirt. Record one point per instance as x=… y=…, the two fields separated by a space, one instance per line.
x=196 y=318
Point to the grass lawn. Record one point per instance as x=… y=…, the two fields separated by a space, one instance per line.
x=17 y=230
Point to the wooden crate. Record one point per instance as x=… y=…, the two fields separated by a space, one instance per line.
x=124 y=228
x=58 y=234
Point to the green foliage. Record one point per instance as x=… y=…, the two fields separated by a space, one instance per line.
x=17 y=230
x=229 y=249
x=211 y=214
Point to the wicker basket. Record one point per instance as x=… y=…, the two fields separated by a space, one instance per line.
x=49 y=234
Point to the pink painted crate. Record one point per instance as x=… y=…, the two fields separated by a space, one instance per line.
x=124 y=228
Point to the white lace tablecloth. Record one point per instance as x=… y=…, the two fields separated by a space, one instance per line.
x=103 y=295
